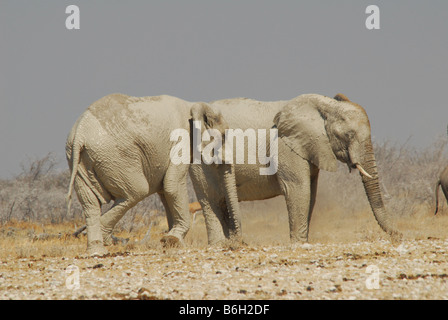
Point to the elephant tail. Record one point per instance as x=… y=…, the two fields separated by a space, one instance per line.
x=73 y=156
x=437 y=196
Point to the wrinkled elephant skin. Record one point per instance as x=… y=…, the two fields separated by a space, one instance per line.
x=314 y=132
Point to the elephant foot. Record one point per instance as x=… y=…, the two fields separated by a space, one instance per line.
x=217 y=240
x=96 y=249
x=299 y=239
x=395 y=237
x=170 y=241
x=300 y=243
x=301 y=246
x=235 y=244
x=117 y=240
x=228 y=243
x=108 y=238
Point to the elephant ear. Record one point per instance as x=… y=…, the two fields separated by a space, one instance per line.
x=302 y=128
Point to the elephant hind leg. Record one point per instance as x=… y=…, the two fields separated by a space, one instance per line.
x=169 y=215
x=138 y=190
x=112 y=216
x=91 y=209
x=176 y=197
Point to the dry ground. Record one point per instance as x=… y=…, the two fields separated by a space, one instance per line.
x=348 y=257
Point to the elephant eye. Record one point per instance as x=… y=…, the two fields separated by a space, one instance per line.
x=350 y=134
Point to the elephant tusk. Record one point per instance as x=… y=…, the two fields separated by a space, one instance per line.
x=364 y=172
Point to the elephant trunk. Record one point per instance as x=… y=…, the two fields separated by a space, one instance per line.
x=232 y=202
x=437 y=196
x=373 y=192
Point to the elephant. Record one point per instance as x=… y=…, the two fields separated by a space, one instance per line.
x=443 y=182
x=121 y=149
x=314 y=131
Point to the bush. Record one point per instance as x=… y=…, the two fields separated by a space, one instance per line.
x=407 y=176
x=38 y=194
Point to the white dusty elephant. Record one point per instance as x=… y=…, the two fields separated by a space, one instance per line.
x=443 y=182
x=120 y=149
x=314 y=132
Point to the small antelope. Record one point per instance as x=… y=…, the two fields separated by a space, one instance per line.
x=194 y=207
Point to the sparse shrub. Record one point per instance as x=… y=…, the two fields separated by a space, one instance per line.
x=38 y=194
x=407 y=176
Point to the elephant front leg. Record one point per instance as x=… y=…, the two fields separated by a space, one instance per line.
x=215 y=222
x=298 y=205
x=294 y=177
x=313 y=190
x=206 y=185
x=297 y=180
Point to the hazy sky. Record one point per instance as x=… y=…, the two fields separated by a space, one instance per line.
x=207 y=50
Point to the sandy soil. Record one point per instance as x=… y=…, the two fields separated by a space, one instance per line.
x=362 y=270
x=347 y=259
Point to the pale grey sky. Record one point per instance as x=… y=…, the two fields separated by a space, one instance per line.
x=207 y=50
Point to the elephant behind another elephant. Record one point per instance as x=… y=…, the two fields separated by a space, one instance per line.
x=442 y=182
x=314 y=132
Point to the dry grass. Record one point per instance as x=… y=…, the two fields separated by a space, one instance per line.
x=265 y=223
x=33 y=240
x=34 y=221
x=28 y=239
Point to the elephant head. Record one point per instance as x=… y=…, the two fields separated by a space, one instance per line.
x=322 y=130
x=208 y=119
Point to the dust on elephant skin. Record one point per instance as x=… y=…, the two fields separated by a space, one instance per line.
x=119 y=149
x=314 y=133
